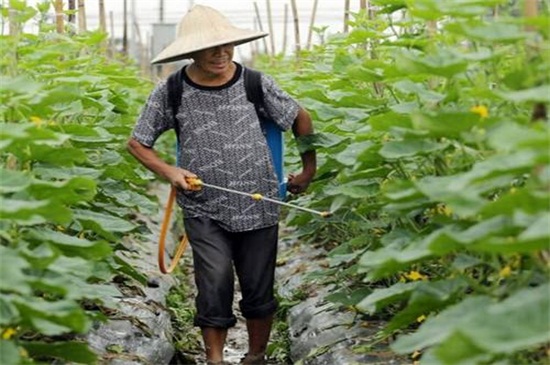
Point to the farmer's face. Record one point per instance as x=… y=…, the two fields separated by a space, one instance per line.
x=215 y=60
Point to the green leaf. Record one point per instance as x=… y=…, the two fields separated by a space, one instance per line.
x=536 y=94
x=70 y=245
x=102 y=222
x=381 y=298
x=72 y=351
x=75 y=190
x=13 y=181
x=53 y=318
x=488 y=31
x=389 y=120
x=356 y=189
x=9 y=353
x=442 y=62
x=410 y=148
x=33 y=212
x=446 y=124
x=12 y=271
x=349 y=155
x=318 y=140
x=519 y=322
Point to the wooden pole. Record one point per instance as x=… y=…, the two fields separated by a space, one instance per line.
x=285 y=29
x=125 y=29
x=72 y=9
x=59 y=21
x=540 y=110
x=112 y=44
x=81 y=16
x=531 y=11
x=260 y=25
x=312 y=23
x=363 y=4
x=346 y=16
x=161 y=11
x=296 y=26
x=102 y=21
x=270 y=25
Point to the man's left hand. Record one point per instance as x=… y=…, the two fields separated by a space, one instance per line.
x=298 y=183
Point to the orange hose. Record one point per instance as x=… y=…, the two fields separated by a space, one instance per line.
x=162 y=239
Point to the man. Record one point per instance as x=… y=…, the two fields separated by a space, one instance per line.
x=221 y=143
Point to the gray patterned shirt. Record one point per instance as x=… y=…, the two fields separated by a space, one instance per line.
x=222 y=142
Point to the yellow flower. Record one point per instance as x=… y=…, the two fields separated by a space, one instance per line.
x=8 y=333
x=505 y=272
x=414 y=276
x=421 y=319
x=481 y=110
x=37 y=121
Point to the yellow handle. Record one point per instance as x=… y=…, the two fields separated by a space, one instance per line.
x=162 y=239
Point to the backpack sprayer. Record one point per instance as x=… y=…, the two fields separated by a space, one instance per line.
x=198 y=184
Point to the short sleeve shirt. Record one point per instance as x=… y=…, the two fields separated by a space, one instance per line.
x=221 y=141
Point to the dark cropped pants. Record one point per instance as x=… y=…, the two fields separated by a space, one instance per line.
x=216 y=254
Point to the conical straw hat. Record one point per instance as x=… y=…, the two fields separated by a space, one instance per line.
x=201 y=28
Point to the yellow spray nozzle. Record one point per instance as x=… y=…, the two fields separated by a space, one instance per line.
x=325 y=214
x=256 y=196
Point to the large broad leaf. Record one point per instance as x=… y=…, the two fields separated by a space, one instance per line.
x=427 y=298
x=381 y=298
x=357 y=189
x=512 y=136
x=103 y=223
x=12 y=271
x=410 y=148
x=70 y=245
x=488 y=32
x=9 y=353
x=348 y=156
x=446 y=124
x=75 y=190
x=442 y=62
x=535 y=94
x=74 y=352
x=52 y=318
x=33 y=212
x=12 y=181
x=434 y=9
x=517 y=323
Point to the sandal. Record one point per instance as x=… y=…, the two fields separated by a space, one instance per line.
x=250 y=359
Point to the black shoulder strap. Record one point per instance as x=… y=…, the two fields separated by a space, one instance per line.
x=174 y=84
x=253 y=87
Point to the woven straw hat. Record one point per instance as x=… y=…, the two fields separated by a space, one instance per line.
x=201 y=28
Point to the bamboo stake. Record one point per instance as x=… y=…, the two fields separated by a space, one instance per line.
x=540 y=111
x=72 y=8
x=270 y=25
x=363 y=4
x=285 y=29
x=14 y=25
x=346 y=16
x=81 y=16
x=296 y=26
x=531 y=11
x=261 y=26
x=60 y=26
x=112 y=45
x=125 y=29
x=311 y=24
x=102 y=21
